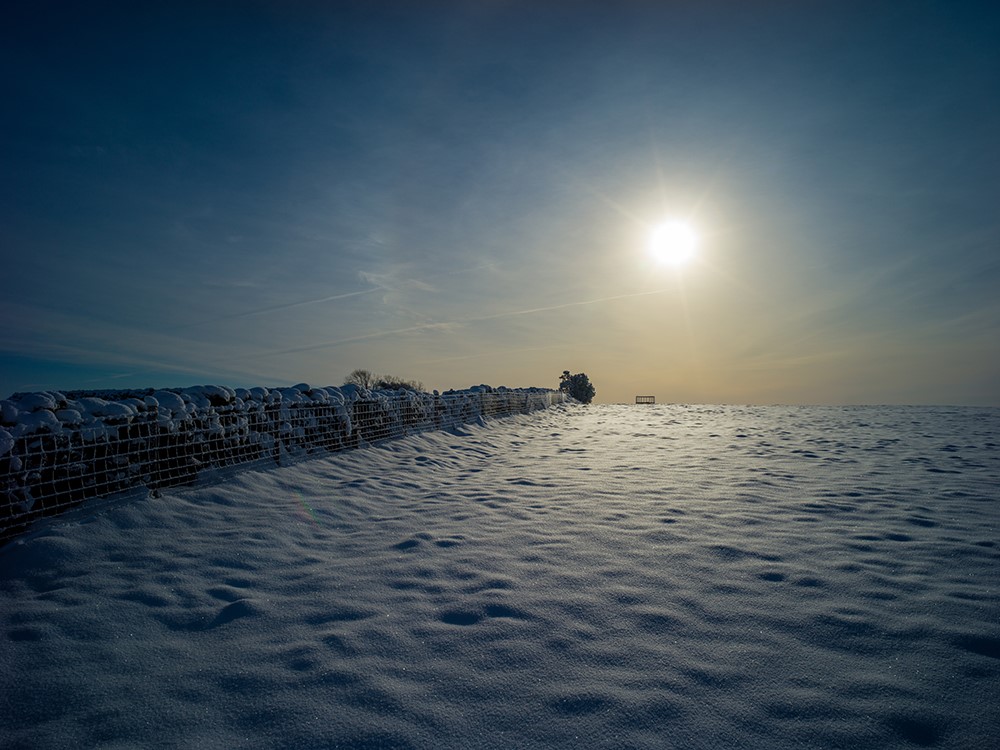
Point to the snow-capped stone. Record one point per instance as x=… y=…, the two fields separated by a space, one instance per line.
x=6 y=442
x=37 y=421
x=8 y=412
x=69 y=417
x=35 y=401
x=169 y=402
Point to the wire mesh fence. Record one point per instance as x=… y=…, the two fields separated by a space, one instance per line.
x=54 y=467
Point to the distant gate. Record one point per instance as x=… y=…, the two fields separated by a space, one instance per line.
x=645 y=399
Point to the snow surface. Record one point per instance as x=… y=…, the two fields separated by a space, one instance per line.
x=582 y=577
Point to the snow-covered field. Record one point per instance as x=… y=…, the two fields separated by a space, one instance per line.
x=582 y=577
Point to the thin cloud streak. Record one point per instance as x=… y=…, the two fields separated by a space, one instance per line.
x=443 y=326
x=278 y=308
x=564 y=306
x=117 y=346
x=339 y=342
x=503 y=353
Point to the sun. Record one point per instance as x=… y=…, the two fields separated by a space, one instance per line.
x=672 y=243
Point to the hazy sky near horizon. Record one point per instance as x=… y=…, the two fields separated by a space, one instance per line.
x=263 y=193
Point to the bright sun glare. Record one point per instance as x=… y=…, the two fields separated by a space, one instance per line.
x=672 y=243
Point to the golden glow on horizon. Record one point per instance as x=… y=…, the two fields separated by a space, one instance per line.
x=672 y=243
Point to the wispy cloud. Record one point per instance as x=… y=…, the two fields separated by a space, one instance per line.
x=278 y=308
x=445 y=326
x=58 y=337
x=348 y=340
x=496 y=353
x=581 y=303
x=392 y=283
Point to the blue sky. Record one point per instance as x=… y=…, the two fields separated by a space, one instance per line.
x=268 y=193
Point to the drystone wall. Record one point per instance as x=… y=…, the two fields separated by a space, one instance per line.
x=59 y=449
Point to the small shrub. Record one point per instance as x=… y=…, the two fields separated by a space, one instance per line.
x=393 y=383
x=368 y=379
x=577 y=386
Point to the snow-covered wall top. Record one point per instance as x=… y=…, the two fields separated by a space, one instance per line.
x=58 y=449
x=54 y=411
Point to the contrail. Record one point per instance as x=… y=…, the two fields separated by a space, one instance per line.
x=290 y=305
x=561 y=307
x=276 y=308
x=547 y=347
x=351 y=340
x=449 y=324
